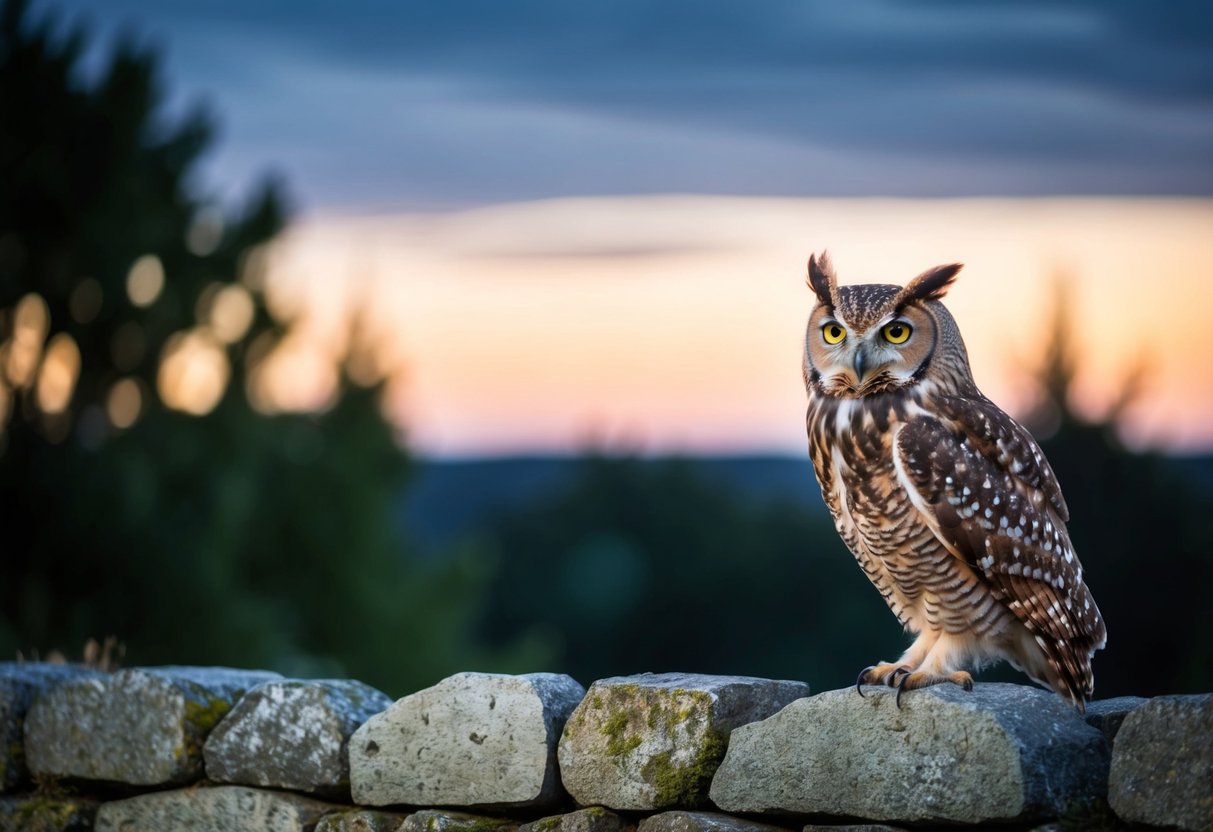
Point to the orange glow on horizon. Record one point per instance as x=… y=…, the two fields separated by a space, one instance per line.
x=675 y=323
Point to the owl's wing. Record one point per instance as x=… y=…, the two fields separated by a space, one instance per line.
x=985 y=489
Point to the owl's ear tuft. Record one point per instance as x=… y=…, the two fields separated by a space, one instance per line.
x=932 y=284
x=822 y=280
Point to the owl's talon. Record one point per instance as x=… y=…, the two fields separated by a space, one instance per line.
x=895 y=680
x=922 y=679
x=962 y=678
x=863 y=675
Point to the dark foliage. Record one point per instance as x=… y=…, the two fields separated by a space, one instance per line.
x=649 y=565
x=231 y=537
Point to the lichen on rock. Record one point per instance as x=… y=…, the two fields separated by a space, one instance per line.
x=20 y=684
x=472 y=740
x=142 y=726
x=47 y=813
x=654 y=740
x=1162 y=763
x=293 y=734
x=1002 y=752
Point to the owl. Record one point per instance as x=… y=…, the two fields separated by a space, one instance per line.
x=947 y=503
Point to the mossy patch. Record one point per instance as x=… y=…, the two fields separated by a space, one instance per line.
x=47 y=814
x=546 y=824
x=615 y=730
x=457 y=822
x=201 y=716
x=685 y=785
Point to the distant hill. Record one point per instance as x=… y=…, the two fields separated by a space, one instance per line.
x=450 y=498
x=453 y=497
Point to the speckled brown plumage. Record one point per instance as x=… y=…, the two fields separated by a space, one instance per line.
x=947 y=503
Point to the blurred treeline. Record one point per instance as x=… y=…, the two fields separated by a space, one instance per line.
x=208 y=531
x=148 y=491
x=652 y=565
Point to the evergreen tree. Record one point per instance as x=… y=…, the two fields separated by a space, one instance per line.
x=204 y=531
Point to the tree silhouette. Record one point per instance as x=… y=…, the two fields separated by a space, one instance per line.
x=142 y=493
x=1138 y=524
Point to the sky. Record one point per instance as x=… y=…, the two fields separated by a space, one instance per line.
x=587 y=223
x=381 y=105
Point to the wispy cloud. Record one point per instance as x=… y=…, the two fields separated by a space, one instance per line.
x=466 y=101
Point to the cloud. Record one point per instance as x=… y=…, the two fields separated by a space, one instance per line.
x=476 y=100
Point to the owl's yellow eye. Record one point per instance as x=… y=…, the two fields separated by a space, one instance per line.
x=897 y=332
x=833 y=333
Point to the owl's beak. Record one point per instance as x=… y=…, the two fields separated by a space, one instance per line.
x=862 y=364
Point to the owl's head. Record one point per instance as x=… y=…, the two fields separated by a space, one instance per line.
x=875 y=338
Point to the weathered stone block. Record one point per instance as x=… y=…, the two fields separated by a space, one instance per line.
x=684 y=821
x=362 y=820
x=20 y=683
x=46 y=814
x=653 y=741
x=1000 y=752
x=592 y=819
x=474 y=739
x=1108 y=714
x=438 y=820
x=292 y=734
x=1162 y=763
x=217 y=809
x=142 y=726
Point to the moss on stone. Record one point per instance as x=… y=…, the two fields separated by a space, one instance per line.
x=359 y=820
x=476 y=824
x=546 y=824
x=201 y=716
x=615 y=729
x=48 y=814
x=685 y=785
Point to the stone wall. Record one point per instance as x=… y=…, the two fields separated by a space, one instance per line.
x=186 y=748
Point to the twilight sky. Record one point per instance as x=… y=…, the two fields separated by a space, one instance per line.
x=381 y=104
x=573 y=223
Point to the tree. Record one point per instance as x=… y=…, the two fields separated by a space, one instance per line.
x=1138 y=524
x=142 y=493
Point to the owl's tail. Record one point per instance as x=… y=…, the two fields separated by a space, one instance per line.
x=1070 y=661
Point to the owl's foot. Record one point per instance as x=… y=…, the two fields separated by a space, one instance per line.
x=884 y=673
x=923 y=679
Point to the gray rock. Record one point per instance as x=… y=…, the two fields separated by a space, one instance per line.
x=683 y=821
x=1108 y=714
x=20 y=683
x=474 y=739
x=437 y=820
x=142 y=726
x=217 y=809
x=592 y=819
x=46 y=814
x=1001 y=752
x=851 y=827
x=1162 y=763
x=362 y=820
x=292 y=734
x=653 y=741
